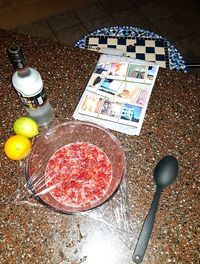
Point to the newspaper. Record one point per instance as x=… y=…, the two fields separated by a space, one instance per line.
x=117 y=94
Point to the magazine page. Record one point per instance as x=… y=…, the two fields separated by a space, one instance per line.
x=118 y=93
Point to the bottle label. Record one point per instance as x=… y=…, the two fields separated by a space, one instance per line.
x=34 y=101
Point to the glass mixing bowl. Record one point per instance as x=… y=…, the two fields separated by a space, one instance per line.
x=54 y=139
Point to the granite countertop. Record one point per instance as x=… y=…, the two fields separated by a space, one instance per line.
x=32 y=233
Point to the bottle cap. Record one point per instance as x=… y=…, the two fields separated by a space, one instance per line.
x=16 y=56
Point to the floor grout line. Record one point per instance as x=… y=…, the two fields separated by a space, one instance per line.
x=51 y=29
x=177 y=15
x=74 y=11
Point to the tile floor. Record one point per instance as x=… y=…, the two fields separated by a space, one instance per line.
x=178 y=21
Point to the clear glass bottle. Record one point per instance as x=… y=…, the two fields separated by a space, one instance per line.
x=29 y=86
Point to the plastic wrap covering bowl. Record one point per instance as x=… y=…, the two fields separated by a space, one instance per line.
x=61 y=193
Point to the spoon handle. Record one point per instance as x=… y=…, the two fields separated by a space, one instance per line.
x=146 y=229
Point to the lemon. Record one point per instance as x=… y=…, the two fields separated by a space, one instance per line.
x=25 y=126
x=17 y=147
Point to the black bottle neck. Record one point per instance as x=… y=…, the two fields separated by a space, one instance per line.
x=16 y=57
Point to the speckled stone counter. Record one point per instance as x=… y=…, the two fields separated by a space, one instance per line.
x=30 y=233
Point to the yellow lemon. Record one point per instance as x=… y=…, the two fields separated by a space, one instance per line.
x=17 y=147
x=25 y=126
